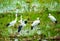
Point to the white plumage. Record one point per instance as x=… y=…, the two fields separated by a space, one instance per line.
x=35 y=23
x=52 y=18
x=13 y=22
x=22 y=24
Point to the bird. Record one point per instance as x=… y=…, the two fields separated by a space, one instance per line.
x=12 y=23
x=35 y=23
x=22 y=24
x=52 y=18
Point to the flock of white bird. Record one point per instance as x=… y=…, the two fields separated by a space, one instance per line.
x=24 y=22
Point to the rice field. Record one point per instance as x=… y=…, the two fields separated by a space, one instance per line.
x=47 y=29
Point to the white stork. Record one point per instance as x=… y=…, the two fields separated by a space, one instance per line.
x=35 y=23
x=23 y=24
x=13 y=22
x=52 y=18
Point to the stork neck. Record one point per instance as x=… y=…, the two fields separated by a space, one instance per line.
x=16 y=18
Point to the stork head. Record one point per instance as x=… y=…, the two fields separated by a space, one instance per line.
x=37 y=18
x=49 y=14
